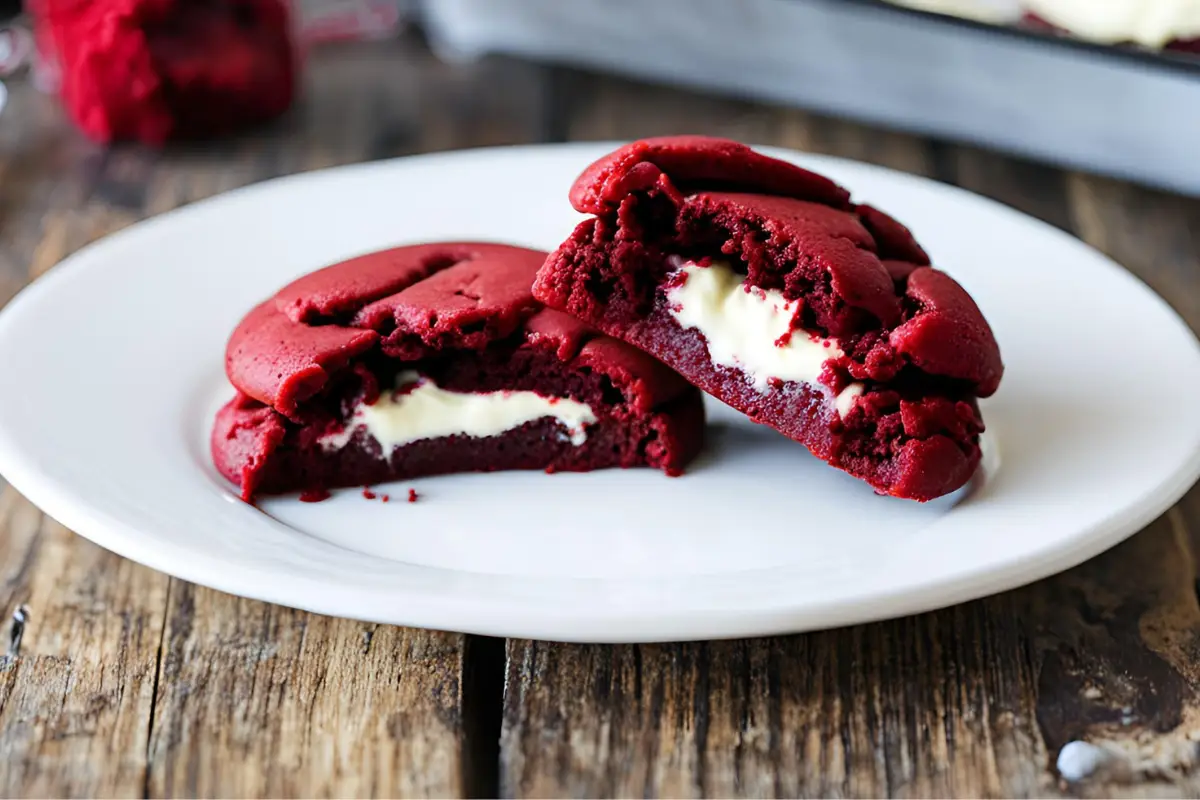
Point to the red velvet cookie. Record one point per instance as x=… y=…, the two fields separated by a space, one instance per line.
x=432 y=359
x=762 y=284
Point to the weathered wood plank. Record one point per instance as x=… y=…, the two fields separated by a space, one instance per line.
x=1036 y=189
x=74 y=704
x=35 y=147
x=937 y=705
x=817 y=134
x=256 y=700
x=1117 y=643
x=601 y=108
x=1153 y=234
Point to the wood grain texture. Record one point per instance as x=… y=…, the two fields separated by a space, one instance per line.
x=926 y=706
x=74 y=705
x=256 y=700
x=1154 y=235
x=1116 y=642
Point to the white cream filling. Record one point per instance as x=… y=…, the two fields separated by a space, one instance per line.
x=427 y=411
x=846 y=397
x=1150 y=23
x=751 y=329
x=992 y=11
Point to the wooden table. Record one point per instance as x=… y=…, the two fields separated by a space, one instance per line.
x=131 y=683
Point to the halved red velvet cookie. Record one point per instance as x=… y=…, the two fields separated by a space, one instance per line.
x=432 y=359
x=761 y=283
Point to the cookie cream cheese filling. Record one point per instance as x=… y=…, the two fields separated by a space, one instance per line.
x=751 y=329
x=1150 y=23
x=420 y=409
x=993 y=11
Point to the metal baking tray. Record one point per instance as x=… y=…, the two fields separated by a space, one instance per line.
x=1122 y=112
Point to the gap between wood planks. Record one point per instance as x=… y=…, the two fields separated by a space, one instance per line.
x=158 y=668
x=483 y=669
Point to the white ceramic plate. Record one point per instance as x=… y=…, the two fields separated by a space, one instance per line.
x=112 y=368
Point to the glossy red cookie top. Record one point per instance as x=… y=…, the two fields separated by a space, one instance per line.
x=693 y=162
x=872 y=261
x=415 y=302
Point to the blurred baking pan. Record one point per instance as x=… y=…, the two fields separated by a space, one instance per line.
x=1127 y=113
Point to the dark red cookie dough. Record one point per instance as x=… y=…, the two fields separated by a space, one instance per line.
x=461 y=314
x=911 y=335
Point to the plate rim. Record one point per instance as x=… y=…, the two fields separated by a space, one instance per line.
x=614 y=625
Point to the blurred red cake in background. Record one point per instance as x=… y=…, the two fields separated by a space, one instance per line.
x=156 y=70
